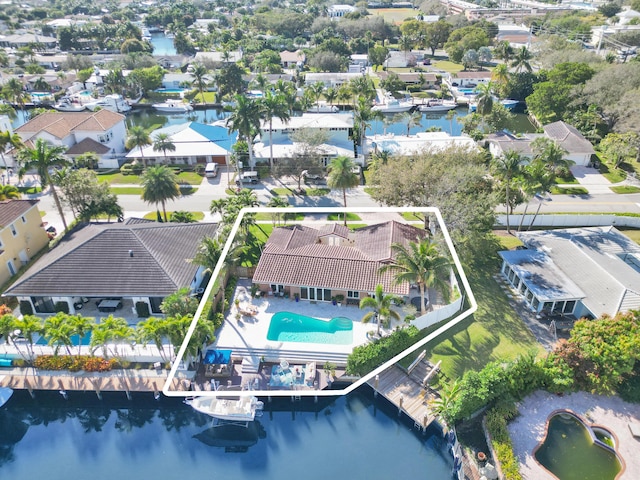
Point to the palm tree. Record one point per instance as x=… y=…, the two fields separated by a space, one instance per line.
x=500 y=76
x=162 y=142
x=344 y=94
x=154 y=330
x=160 y=184
x=43 y=157
x=41 y=85
x=363 y=115
x=420 y=263
x=330 y=94
x=199 y=73
x=9 y=192
x=58 y=332
x=504 y=51
x=552 y=154
x=410 y=120
x=80 y=326
x=442 y=406
x=277 y=202
x=381 y=305
x=449 y=116
x=406 y=44
x=29 y=325
x=484 y=98
x=316 y=91
x=7 y=326
x=362 y=87
x=341 y=175
x=273 y=105
x=14 y=91
x=138 y=137
x=245 y=119
x=521 y=59
x=507 y=167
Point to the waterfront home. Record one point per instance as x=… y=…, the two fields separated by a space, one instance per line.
x=318 y=264
x=339 y=128
x=579 y=149
x=331 y=79
x=27 y=39
x=402 y=145
x=21 y=235
x=128 y=266
x=195 y=143
x=176 y=80
x=425 y=80
x=292 y=59
x=583 y=272
x=218 y=57
x=339 y=11
x=102 y=131
x=469 y=79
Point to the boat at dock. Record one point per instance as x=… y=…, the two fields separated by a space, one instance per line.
x=114 y=103
x=392 y=105
x=435 y=105
x=67 y=105
x=173 y=106
x=322 y=107
x=242 y=409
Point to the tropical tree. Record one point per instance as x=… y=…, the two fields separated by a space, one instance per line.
x=504 y=51
x=341 y=176
x=508 y=167
x=13 y=90
x=58 y=332
x=179 y=303
x=199 y=72
x=80 y=326
x=363 y=115
x=522 y=59
x=443 y=406
x=111 y=331
x=331 y=94
x=500 y=76
x=160 y=184
x=277 y=202
x=316 y=91
x=552 y=154
x=245 y=119
x=410 y=120
x=28 y=326
x=153 y=330
x=484 y=98
x=44 y=157
x=420 y=263
x=162 y=142
x=9 y=192
x=273 y=105
x=182 y=216
x=380 y=304
x=138 y=137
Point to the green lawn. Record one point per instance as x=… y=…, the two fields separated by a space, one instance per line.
x=413 y=217
x=270 y=216
x=198 y=216
x=126 y=190
x=508 y=242
x=209 y=97
x=393 y=15
x=625 y=189
x=29 y=190
x=351 y=217
x=310 y=192
x=566 y=180
x=569 y=191
x=614 y=175
x=190 y=178
x=258 y=235
x=448 y=66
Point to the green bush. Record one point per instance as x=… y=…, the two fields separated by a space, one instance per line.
x=126 y=169
x=137 y=168
x=62 y=307
x=25 y=307
x=496 y=422
x=365 y=358
x=74 y=363
x=142 y=309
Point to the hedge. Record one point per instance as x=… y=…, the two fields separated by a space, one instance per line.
x=74 y=363
x=496 y=423
x=367 y=357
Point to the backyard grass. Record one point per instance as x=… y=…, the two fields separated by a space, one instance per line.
x=309 y=192
x=209 y=97
x=198 y=216
x=29 y=190
x=190 y=178
x=569 y=191
x=258 y=235
x=393 y=15
x=622 y=189
x=413 y=217
x=448 y=66
x=508 y=242
x=351 y=217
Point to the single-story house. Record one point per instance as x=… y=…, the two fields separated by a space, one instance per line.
x=330 y=79
x=219 y=57
x=176 y=80
x=319 y=263
x=292 y=59
x=21 y=235
x=68 y=129
x=469 y=79
x=338 y=11
x=401 y=145
x=584 y=272
x=426 y=80
x=27 y=39
x=195 y=143
x=135 y=261
x=579 y=149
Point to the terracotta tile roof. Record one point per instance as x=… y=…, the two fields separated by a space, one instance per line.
x=61 y=124
x=294 y=256
x=95 y=261
x=88 y=145
x=11 y=210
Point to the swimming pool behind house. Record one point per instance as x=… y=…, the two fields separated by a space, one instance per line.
x=293 y=327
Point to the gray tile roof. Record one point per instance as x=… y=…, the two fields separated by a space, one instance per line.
x=601 y=261
x=568 y=137
x=95 y=261
x=294 y=256
x=11 y=210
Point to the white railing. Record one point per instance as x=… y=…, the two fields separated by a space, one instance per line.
x=438 y=315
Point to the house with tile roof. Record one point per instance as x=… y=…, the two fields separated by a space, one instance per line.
x=579 y=149
x=21 y=235
x=196 y=143
x=319 y=263
x=292 y=59
x=138 y=261
x=102 y=132
x=583 y=272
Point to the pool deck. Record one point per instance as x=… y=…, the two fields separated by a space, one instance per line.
x=528 y=429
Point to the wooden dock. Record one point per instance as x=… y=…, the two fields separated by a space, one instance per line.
x=405 y=390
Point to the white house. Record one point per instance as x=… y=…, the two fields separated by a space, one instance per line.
x=338 y=11
x=102 y=132
x=469 y=79
x=402 y=145
x=330 y=79
x=176 y=80
x=338 y=126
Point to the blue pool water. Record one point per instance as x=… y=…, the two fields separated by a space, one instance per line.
x=170 y=90
x=74 y=340
x=357 y=437
x=292 y=327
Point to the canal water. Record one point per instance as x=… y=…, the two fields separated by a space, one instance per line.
x=357 y=436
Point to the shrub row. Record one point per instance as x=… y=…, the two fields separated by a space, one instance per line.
x=365 y=358
x=75 y=363
x=496 y=423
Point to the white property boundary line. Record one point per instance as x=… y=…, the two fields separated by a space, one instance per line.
x=324 y=393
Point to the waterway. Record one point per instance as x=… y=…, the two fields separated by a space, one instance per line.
x=162 y=45
x=357 y=436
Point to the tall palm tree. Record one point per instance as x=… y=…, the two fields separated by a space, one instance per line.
x=245 y=119
x=29 y=326
x=58 y=332
x=421 y=263
x=522 y=59
x=362 y=87
x=43 y=157
x=381 y=305
x=138 y=137
x=14 y=91
x=80 y=327
x=410 y=120
x=154 y=330
x=484 y=98
x=273 y=105
x=277 y=202
x=341 y=176
x=500 y=76
x=162 y=142
x=9 y=192
x=330 y=94
x=405 y=42
x=507 y=167
x=199 y=73
x=316 y=90
x=504 y=51
x=363 y=115
x=344 y=94
x=160 y=184
x=552 y=154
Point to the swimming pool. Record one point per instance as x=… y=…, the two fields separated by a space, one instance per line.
x=292 y=327
x=170 y=90
x=74 y=340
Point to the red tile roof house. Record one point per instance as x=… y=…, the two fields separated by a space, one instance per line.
x=319 y=264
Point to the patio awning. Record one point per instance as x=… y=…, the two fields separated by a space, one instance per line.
x=217 y=357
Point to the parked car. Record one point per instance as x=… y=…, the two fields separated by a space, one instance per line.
x=248 y=177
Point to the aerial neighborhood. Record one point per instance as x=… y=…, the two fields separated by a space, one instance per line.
x=232 y=202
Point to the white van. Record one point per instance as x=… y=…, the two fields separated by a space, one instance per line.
x=211 y=170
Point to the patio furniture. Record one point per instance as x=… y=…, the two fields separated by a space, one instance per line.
x=109 y=305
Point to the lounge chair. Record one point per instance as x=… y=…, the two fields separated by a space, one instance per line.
x=310 y=373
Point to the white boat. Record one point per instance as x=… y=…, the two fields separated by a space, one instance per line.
x=5 y=395
x=66 y=105
x=435 y=105
x=173 y=106
x=509 y=104
x=242 y=409
x=114 y=102
x=322 y=107
x=393 y=105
